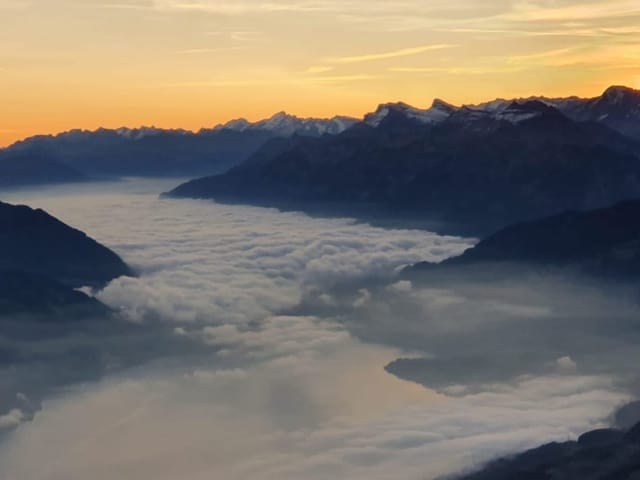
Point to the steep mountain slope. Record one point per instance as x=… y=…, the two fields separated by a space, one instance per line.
x=485 y=168
x=618 y=107
x=34 y=242
x=605 y=454
x=41 y=297
x=604 y=241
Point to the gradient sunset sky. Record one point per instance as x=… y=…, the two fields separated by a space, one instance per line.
x=194 y=63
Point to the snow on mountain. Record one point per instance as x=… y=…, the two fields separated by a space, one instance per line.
x=512 y=111
x=286 y=125
x=498 y=110
x=138 y=133
x=438 y=112
x=616 y=95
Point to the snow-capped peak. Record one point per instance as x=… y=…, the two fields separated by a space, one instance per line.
x=513 y=111
x=438 y=112
x=239 y=125
x=141 y=132
x=136 y=133
x=517 y=112
x=443 y=106
x=285 y=124
x=282 y=123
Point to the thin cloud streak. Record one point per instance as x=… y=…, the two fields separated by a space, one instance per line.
x=525 y=12
x=404 y=52
x=337 y=79
x=561 y=52
x=459 y=70
x=192 y=51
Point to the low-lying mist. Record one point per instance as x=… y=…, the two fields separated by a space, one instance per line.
x=471 y=326
x=255 y=343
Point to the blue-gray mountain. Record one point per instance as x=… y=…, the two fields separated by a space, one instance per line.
x=484 y=167
x=606 y=454
x=34 y=168
x=29 y=295
x=603 y=242
x=32 y=241
x=51 y=334
x=78 y=154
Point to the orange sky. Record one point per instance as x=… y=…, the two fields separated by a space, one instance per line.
x=172 y=63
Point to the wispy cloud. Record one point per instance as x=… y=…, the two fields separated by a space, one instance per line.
x=315 y=69
x=237 y=35
x=556 y=53
x=198 y=51
x=211 y=83
x=529 y=11
x=336 y=79
x=467 y=70
x=118 y=4
x=546 y=32
x=404 y=52
x=241 y=7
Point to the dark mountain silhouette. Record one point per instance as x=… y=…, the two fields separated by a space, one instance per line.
x=41 y=297
x=32 y=241
x=483 y=167
x=393 y=131
x=17 y=169
x=145 y=153
x=158 y=152
x=604 y=241
x=605 y=454
x=618 y=107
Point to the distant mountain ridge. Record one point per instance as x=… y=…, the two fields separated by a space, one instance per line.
x=149 y=151
x=283 y=124
x=33 y=168
x=618 y=107
x=78 y=155
x=485 y=166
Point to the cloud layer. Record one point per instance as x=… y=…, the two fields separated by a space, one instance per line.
x=291 y=320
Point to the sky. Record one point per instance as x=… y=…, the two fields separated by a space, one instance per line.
x=195 y=63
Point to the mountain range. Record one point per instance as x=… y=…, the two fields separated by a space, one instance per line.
x=483 y=166
x=79 y=154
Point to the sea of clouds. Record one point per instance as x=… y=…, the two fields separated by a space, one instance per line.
x=265 y=336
